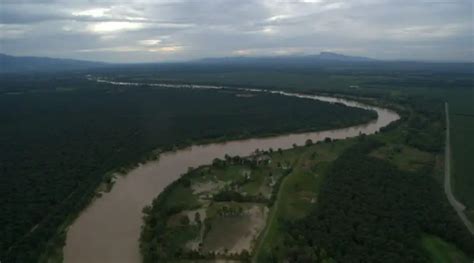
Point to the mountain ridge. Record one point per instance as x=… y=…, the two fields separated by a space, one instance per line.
x=28 y=64
x=11 y=64
x=321 y=57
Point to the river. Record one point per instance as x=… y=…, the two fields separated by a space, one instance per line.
x=109 y=228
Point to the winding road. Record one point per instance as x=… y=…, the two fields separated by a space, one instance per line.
x=458 y=206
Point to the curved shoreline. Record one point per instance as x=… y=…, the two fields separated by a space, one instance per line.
x=109 y=228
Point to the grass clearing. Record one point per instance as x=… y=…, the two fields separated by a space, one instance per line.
x=443 y=252
x=461 y=109
x=182 y=198
x=404 y=157
x=299 y=190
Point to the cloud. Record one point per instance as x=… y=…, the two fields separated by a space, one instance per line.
x=167 y=49
x=146 y=30
x=150 y=42
x=110 y=27
x=96 y=12
x=8 y=31
x=269 y=51
x=111 y=49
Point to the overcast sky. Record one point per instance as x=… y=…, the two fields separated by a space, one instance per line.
x=164 y=30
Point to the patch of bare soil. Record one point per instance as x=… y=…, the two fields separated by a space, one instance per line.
x=236 y=234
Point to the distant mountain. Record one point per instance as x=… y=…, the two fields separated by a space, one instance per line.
x=323 y=57
x=340 y=57
x=10 y=64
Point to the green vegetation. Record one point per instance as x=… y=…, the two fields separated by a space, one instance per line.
x=405 y=157
x=442 y=252
x=461 y=107
x=395 y=78
x=299 y=191
x=370 y=199
x=61 y=141
x=392 y=199
x=227 y=191
x=215 y=211
x=368 y=210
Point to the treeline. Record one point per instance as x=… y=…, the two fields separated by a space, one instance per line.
x=154 y=247
x=234 y=196
x=370 y=211
x=56 y=147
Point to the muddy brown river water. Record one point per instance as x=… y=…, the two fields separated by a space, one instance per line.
x=109 y=228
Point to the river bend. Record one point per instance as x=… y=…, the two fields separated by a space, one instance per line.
x=109 y=228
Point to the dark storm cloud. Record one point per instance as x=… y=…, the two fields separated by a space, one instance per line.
x=145 y=30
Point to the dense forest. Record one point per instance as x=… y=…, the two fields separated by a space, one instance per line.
x=60 y=140
x=370 y=211
x=382 y=208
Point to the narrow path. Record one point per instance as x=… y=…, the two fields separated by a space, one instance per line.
x=273 y=213
x=458 y=206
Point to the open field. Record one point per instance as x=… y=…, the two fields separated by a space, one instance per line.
x=442 y=252
x=461 y=106
x=299 y=190
x=340 y=220
x=405 y=157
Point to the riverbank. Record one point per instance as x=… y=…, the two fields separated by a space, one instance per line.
x=214 y=212
x=227 y=194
